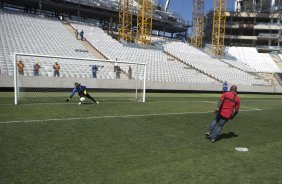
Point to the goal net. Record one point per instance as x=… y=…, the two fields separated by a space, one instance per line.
x=50 y=79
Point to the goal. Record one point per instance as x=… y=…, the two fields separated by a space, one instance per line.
x=106 y=80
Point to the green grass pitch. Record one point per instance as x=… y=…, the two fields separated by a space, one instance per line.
x=160 y=141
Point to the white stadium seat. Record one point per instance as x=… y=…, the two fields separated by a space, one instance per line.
x=25 y=33
x=160 y=66
x=211 y=66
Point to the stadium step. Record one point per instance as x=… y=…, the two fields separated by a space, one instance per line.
x=92 y=50
x=277 y=60
x=270 y=77
x=85 y=43
x=176 y=59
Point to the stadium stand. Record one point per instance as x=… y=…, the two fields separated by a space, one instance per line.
x=25 y=33
x=160 y=66
x=260 y=62
x=239 y=65
x=211 y=66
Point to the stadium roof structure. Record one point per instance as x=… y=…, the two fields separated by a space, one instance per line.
x=102 y=10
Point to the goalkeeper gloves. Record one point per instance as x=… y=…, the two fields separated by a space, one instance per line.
x=84 y=92
x=68 y=99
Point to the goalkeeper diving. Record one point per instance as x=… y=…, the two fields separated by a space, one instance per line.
x=81 y=90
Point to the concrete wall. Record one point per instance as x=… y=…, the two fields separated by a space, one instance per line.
x=51 y=82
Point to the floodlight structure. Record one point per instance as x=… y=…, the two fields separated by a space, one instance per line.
x=125 y=20
x=218 y=32
x=198 y=23
x=145 y=22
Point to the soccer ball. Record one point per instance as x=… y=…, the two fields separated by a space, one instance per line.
x=82 y=99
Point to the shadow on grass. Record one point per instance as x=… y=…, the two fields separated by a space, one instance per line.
x=88 y=103
x=227 y=136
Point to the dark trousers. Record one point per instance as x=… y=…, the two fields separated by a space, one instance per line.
x=216 y=126
x=81 y=94
x=56 y=73
x=94 y=74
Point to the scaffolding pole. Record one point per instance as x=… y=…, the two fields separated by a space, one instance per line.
x=198 y=23
x=144 y=22
x=218 y=32
x=125 y=20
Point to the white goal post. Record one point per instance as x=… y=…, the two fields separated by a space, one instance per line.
x=106 y=80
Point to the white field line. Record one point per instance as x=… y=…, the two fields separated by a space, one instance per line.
x=103 y=117
x=121 y=116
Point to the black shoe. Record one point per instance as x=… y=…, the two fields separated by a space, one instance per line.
x=207 y=134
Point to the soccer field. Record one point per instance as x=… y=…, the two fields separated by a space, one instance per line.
x=160 y=141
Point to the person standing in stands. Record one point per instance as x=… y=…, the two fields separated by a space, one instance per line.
x=225 y=87
x=56 y=68
x=227 y=109
x=94 y=70
x=36 y=69
x=82 y=35
x=76 y=33
x=130 y=72
x=117 y=70
x=20 y=67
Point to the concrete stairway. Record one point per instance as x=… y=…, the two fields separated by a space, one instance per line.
x=92 y=50
x=277 y=60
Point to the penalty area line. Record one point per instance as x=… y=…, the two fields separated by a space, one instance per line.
x=102 y=117
x=121 y=116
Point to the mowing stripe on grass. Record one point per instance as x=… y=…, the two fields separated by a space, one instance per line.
x=109 y=102
x=250 y=108
x=176 y=101
x=121 y=116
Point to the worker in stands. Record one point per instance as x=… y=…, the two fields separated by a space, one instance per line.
x=117 y=70
x=129 y=72
x=76 y=33
x=227 y=108
x=81 y=35
x=56 y=68
x=94 y=70
x=81 y=90
x=20 y=67
x=36 y=69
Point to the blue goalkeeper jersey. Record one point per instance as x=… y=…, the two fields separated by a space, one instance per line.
x=78 y=89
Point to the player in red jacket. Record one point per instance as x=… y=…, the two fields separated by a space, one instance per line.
x=227 y=108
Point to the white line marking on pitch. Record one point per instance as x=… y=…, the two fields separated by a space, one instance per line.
x=123 y=116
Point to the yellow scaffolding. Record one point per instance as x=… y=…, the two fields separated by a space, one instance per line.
x=218 y=32
x=198 y=23
x=144 y=22
x=125 y=20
